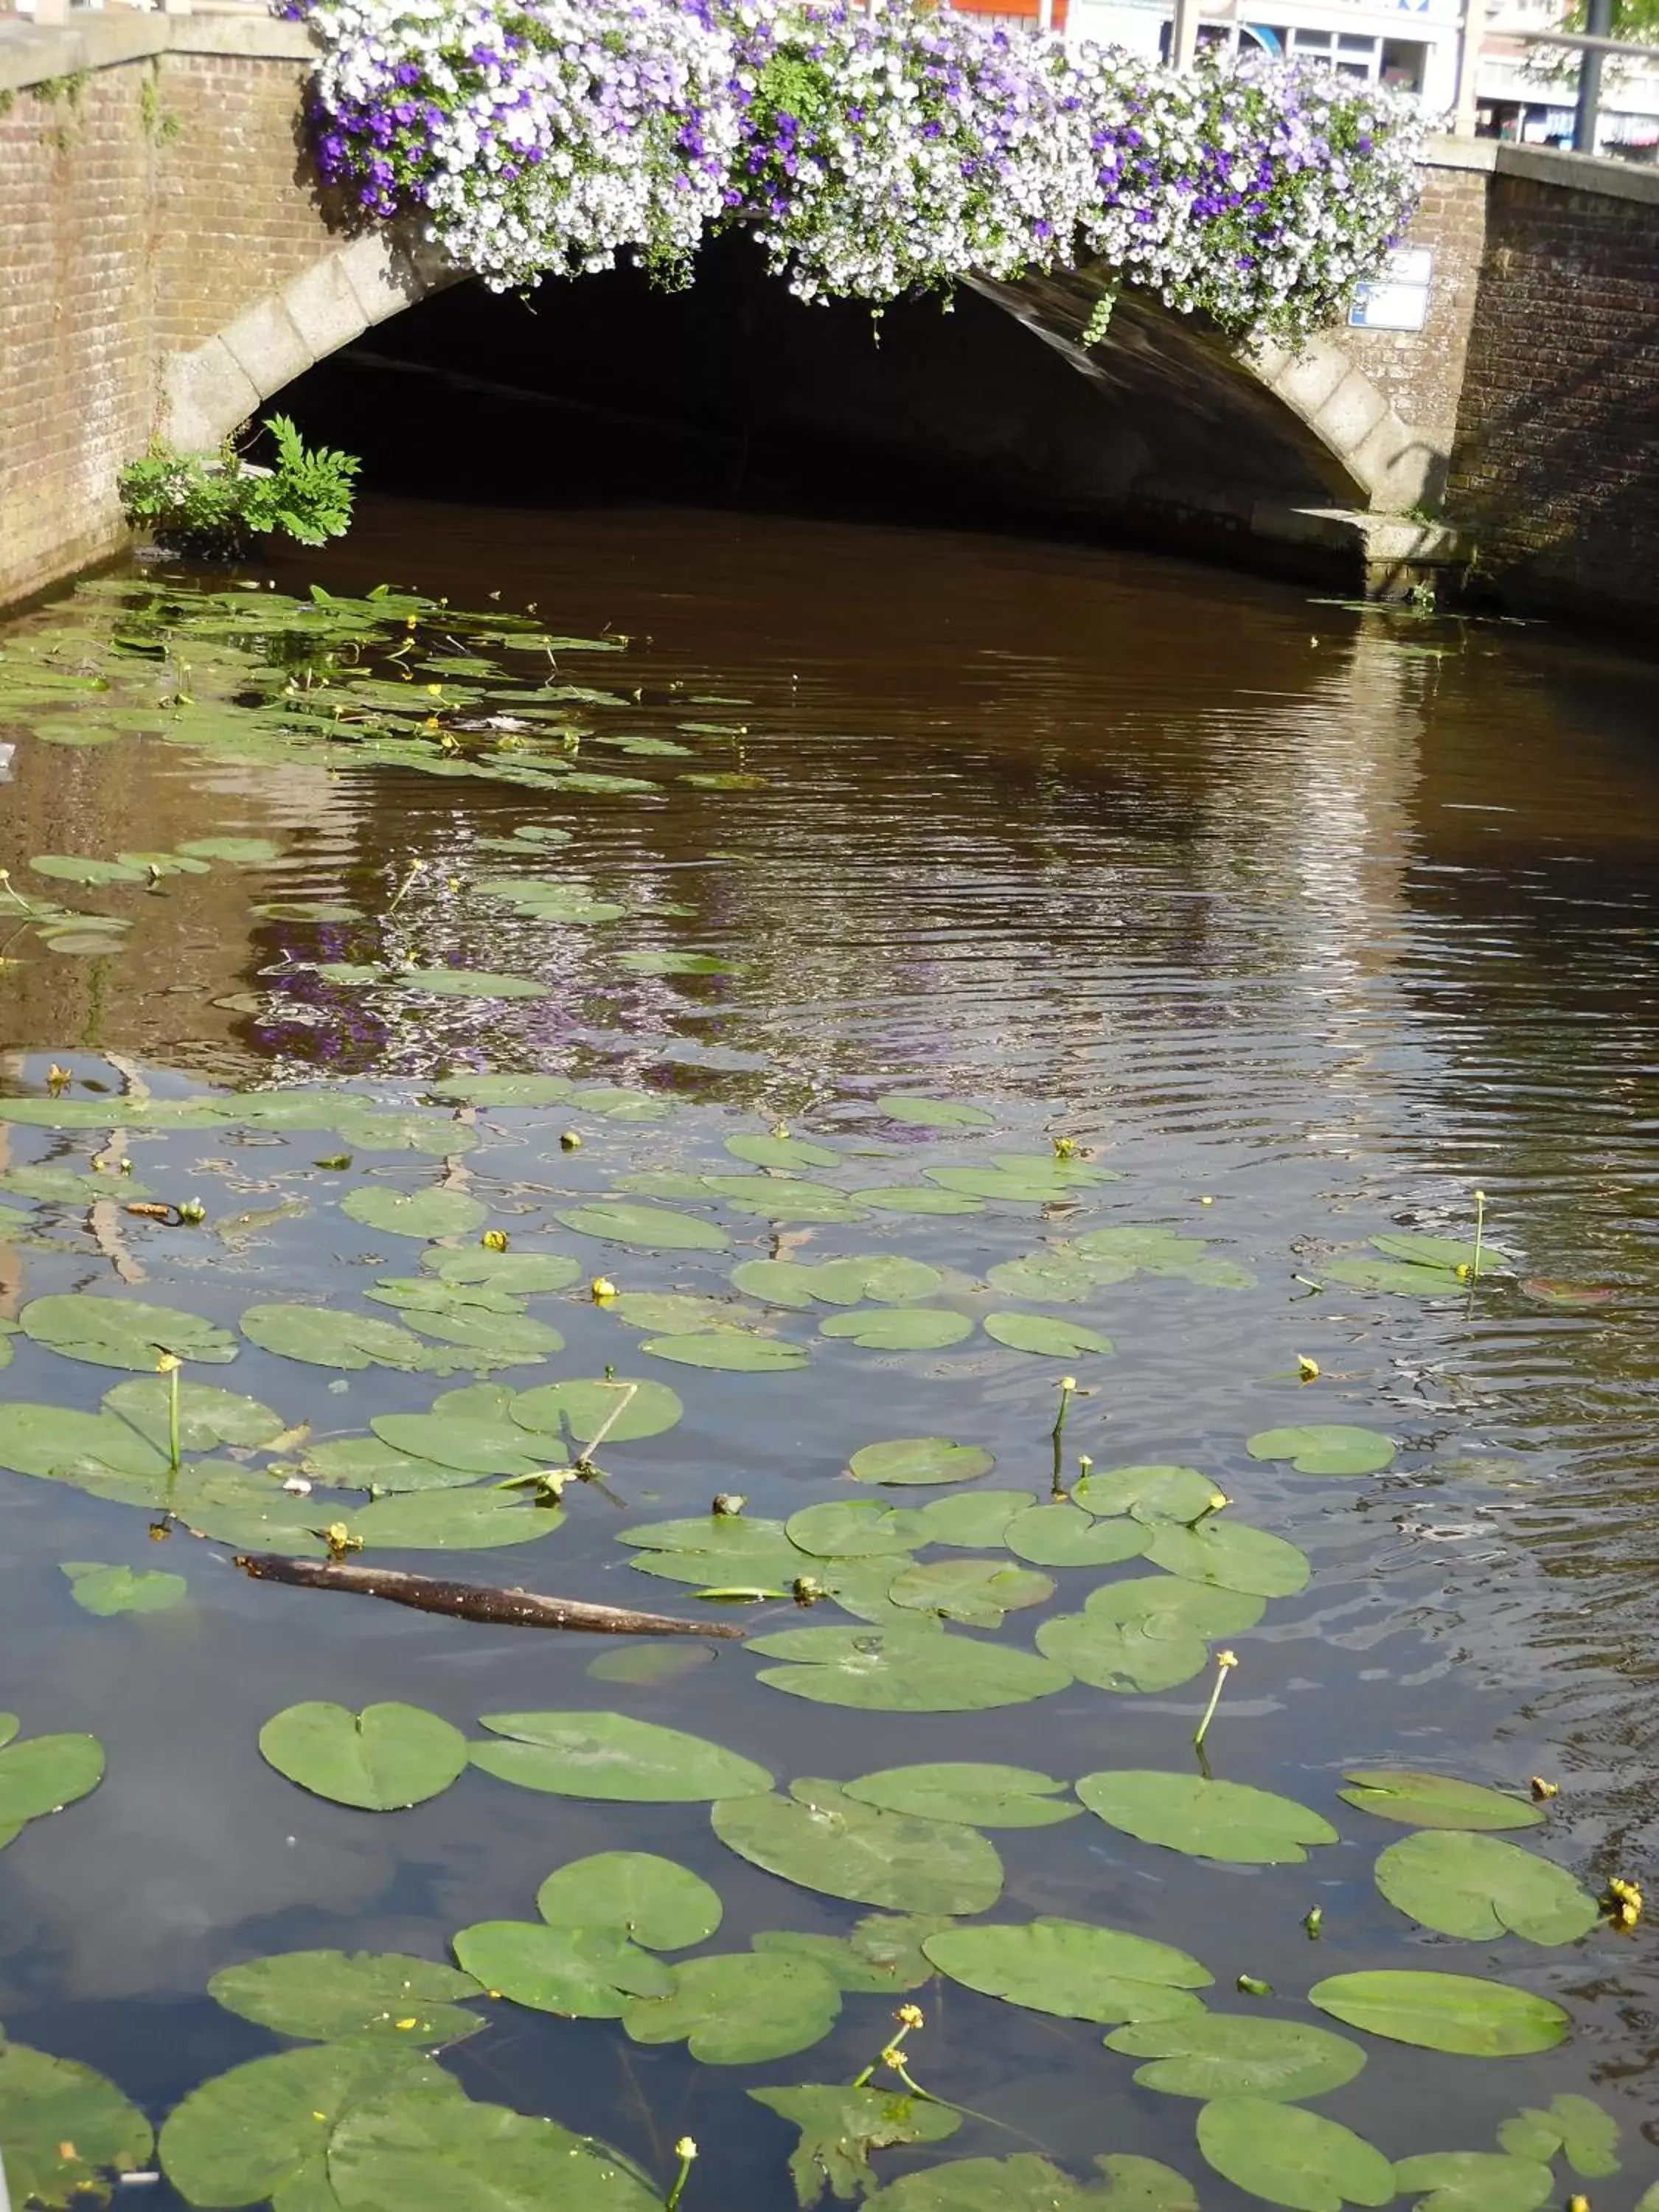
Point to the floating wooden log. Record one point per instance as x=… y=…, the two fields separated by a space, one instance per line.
x=503 y=1608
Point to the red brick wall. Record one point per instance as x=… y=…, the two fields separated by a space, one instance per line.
x=1555 y=473
x=142 y=208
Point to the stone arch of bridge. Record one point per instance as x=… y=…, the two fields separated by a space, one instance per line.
x=1208 y=426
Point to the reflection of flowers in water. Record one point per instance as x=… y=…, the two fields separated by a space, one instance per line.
x=310 y=1019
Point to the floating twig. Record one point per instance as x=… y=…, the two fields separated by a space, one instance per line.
x=502 y=1608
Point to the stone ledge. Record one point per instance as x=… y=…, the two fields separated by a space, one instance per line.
x=1547 y=165
x=95 y=42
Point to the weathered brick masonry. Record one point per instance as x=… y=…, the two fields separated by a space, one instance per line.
x=1555 y=471
x=143 y=205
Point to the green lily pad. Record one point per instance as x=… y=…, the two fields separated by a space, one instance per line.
x=900 y=1329
x=1053 y=1278
x=78 y=868
x=856 y=1528
x=453 y=1520
x=207 y=1416
x=1072 y=1969
x=913 y=1461
x=1475 y=1886
x=979 y=1795
x=111 y=1332
x=1576 y=2126
x=880 y=1278
x=521 y=1274
x=584 y=1973
x=977 y=1521
x=330 y=1995
x=1147 y=1634
x=422 y=1214
x=1063 y=1535
x=1443 y=2012
x=434 y=2153
x=469 y=1431
x=56 y=1186
x=1436 y=1800
x=324 y=1338
x=1020 y=1179
x=611 y=1757
x=824 y=1840
x=1207 y=1819
x=1140 y=2184
x=468 y=983
x=504 y=1089
x=619 y=1221
x=924 y=1113
x=679 y=1313
x=732 y=1351
x=735 y=2008
x=381 y=1760
x=245 y=851
x=1398 y=1277
x=718 y=1551
x=651 y=1900
x=403 y=1130
x=917 y=1198
x=1024 y=2182
x=839 y=2127
x=786 y=1153
x=1044 y=1333
x=107 y=1590
x=1231 y=1555
x=1229 y=2054
x=978 y=1592
x=621 y=1407
x=1325 y=1448
x=883 y=1953
x=904 y=1671
x=1290 y=2157
x=43 y=1773
x=1474 y=2181
x=246 y=2135
x=645 y=1664
x=67 y=2130
x=1129 y=1250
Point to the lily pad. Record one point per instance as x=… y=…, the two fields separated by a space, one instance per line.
x=883 y=1953
x=207 y=1416
x=1443 y=2012
x=79 y=868
x=734 y=2009
x=468 y=983
x=880 y=1278
x=1290 y=2157
x=1574 y=2125
x=1436 y=1800
x=923 y=1113
x=913 y=1461
x=431 y=2152
x=1227 y=2054
x=243 y=852
x=651 y=1900
x=824 y=1840
x=331 y=1995
x=904 y=1670
x=504 y=1089
x=732 y=1351
x=469 y=1431
x=521 y=1274
x=900 y=1329
x=1231 y=1555
x=325 y=1337
x=621 y=1408
x=113 y=1332
x=107 y=1590
x=786 y=1153
x=41 y=1774
x=977 y=1521
x=1209 y=1820
x=1147 y=1634
x=855 y=1529
x=679 y=1313
x=67 y=2130
x=720 y=1551
x=840 y=2127
x=1062 y=1535
x=1325 y=1448
x=1044 y=1333
x=381 y=1760
x=245 y=2135
x=584 y=1974
x=1474 y=2181
x=620 y=1221
x=1072 y=1969
x=979 y=1795
x=453 y=1520
x=422 y=1214
x=611 y=1757
x=1475 y=1886
x=1024 y=2182
x=978 y=1592
x=918 y=1197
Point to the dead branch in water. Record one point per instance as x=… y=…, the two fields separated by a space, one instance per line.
x=514 y=1608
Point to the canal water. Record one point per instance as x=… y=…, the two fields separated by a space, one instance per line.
x=1239 y=913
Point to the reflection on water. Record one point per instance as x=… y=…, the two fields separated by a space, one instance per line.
x=1312 y=922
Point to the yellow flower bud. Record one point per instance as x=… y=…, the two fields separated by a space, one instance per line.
x=686 y=2147
x=602 y=1288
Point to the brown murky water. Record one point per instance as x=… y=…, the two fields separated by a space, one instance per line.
x=1312 y=922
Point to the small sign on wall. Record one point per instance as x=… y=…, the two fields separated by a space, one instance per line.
x=1399 y=299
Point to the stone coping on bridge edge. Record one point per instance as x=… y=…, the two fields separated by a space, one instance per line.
x=93 y=41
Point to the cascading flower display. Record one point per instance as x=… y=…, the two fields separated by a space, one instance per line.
x=872 y=157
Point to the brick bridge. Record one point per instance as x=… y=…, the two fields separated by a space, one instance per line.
x=169 y=264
